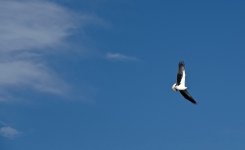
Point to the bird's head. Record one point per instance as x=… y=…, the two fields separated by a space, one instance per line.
x=174 y=87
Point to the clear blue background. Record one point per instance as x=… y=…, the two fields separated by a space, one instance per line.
x=134 y=107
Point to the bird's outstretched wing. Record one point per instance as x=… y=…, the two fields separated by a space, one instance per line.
x=186 y=95
x=181 y=74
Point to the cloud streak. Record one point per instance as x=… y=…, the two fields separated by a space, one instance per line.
x=9 y=132
x=120 y=57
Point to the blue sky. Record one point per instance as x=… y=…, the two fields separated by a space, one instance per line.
x=95 y=75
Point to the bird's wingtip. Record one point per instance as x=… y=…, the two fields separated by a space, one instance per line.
x=181 y=62
x=194 y=102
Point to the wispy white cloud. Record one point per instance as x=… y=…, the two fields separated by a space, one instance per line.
x=9 y=132
x=120 y=57
x=29 y=29
x=27 y=73
x=31 y=25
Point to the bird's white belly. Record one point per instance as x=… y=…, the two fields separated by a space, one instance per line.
x=181 y=87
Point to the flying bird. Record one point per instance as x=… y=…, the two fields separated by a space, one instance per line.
x=180 y=85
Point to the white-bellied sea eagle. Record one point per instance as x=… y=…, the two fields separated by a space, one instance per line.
x=180 y=85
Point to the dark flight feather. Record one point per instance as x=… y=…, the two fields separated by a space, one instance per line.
x=187 y=95
x=180 y=72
